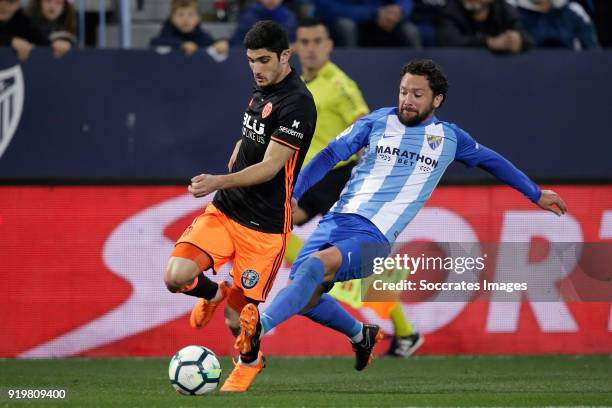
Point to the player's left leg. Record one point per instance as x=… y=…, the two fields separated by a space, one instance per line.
x=236 y=300
x=258 y=258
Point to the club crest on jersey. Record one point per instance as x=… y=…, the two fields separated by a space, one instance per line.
x=267 y=110
x=249 y=278
x=434 y=141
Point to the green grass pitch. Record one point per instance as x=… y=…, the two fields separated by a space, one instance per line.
x=325 y=382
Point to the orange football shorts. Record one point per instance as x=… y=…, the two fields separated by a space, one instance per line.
x=257 y=255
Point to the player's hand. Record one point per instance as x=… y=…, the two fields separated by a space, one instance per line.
x=22 y=47
x=60 y=48
x=189 y=48
x=232 y=159
x=550 y=201
x=204 y=184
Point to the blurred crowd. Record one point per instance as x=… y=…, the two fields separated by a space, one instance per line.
x=502 y=26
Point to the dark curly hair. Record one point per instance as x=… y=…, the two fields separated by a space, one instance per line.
x=268 y=35
x=432 y=71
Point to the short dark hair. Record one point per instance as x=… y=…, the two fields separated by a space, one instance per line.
x=432 y=71
x=309 y=21
x=267 y=34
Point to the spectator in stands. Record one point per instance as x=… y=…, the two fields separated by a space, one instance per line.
x=493 y=24
x=273 y=10
x=557 y=24
x=17 y=30
x=182 y=30
x=57 y=21
x=370 y=23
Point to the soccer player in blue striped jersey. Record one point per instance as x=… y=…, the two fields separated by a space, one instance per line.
x=407 y=149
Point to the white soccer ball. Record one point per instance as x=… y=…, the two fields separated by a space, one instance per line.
x=194 y=370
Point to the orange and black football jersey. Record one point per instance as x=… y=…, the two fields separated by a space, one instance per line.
x=284 y=113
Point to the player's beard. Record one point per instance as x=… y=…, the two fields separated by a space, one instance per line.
x=417 y=118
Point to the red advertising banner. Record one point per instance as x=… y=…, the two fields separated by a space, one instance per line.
x=82 y=274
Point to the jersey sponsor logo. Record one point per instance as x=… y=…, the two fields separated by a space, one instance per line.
x=434 y=141
x=345 y=131
x=404 y=156
x=296 y=124
x=11 y=104
x=252 y=124
x=291 y=132
x=267 y=110
x=252 y=129
x=249 y=278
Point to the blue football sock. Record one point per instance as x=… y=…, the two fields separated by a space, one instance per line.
x=292 y=299
x=330 y=313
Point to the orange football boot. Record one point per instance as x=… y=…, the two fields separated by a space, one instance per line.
x=242 y=376
x=204 y=310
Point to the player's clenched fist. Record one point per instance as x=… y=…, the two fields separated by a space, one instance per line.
x=204 y=184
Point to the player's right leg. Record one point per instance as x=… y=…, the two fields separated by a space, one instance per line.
x=205 y=244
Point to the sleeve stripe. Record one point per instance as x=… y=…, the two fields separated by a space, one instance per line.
x=285 y=143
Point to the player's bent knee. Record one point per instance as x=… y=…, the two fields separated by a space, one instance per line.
x=179 y=273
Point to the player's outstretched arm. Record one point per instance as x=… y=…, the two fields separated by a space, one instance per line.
x=505 y=171
x=274 y=159
x=473 y=154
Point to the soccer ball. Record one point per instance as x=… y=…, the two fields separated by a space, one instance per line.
x=194 y=370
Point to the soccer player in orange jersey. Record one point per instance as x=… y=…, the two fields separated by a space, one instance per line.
x=250 y=217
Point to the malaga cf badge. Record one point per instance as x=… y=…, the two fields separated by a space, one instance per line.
x=434 y=141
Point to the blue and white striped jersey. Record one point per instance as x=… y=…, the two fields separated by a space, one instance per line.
x=402 y=165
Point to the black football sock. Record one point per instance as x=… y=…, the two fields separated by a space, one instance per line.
x=202 y=287
x=250 y=356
